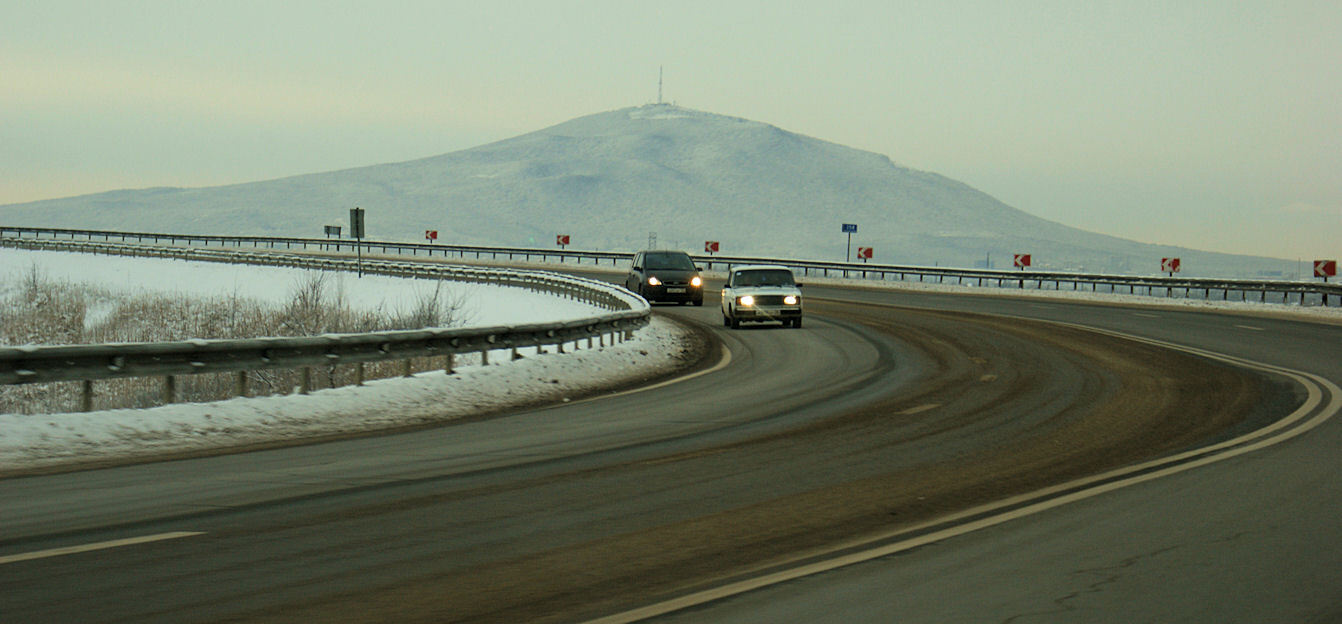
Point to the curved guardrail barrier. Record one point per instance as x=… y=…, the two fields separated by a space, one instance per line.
x=1301 y=291
x=38 y=364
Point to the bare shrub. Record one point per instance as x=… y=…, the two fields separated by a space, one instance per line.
x=38 y=310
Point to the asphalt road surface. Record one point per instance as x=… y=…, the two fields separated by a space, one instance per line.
x=870 y=428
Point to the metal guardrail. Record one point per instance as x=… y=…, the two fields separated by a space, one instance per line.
x=39 y=364
x=1302 y=291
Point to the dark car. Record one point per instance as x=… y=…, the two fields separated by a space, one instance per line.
x=665 y=275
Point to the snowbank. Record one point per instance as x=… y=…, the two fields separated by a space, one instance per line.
x=41 y=441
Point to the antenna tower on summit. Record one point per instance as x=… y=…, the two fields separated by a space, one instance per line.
x=659 y=84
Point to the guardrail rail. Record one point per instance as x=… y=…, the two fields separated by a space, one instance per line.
x=1288 y=291
x=87 y=363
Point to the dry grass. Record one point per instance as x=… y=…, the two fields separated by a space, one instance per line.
x=37 y=310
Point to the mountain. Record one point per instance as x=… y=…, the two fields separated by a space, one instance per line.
x=612 y=180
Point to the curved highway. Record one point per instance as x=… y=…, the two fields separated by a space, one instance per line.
x=871 y=428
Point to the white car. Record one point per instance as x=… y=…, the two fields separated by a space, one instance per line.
x=761 y=292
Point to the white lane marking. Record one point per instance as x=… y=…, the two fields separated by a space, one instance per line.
x=1145 y=315
x=1250 y=327
x=1093 y=486
x=918 y=410
x=71 y=550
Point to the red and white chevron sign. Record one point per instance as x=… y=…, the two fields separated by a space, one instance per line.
x=1325 y=268
x=1020 y=260
x=1169 y=265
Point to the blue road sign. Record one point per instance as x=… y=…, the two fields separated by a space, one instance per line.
x=850 y=228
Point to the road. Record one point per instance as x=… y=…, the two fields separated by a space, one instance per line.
x=887 y=411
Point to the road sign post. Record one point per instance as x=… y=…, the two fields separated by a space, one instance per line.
x=1021 y=261
x=1325 y=269
x=356 y=231
x=850 y=229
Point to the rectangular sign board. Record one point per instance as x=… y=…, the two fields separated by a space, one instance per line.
x=711 y=246
x=356 y=223
x=561 y=239
x=864 y=253
x=850 y=228
x=1020 y=260
x=1169 y=265
x=1325 y=268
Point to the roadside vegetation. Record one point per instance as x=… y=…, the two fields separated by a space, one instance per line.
x=37 y=310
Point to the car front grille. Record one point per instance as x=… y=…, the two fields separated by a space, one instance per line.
x=769 y=300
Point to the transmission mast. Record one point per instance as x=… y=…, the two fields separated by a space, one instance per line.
x=659 y=84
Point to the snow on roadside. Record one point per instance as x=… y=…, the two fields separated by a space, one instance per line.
x=47 y=440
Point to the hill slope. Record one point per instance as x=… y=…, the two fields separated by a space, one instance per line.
x=611 y=179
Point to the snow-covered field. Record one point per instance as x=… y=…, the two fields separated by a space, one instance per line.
x=36 y=441
x=481 y=304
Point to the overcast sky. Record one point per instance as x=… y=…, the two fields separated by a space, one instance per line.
x=1214 y=125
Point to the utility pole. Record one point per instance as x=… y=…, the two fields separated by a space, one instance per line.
x=659 y=84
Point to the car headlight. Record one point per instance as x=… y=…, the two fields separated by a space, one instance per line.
x=790 y=300
x=746 y=300
x=696 y=281
x=653 y=281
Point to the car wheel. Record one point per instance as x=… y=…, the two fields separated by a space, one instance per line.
x=726 y=322
x=796 y=322
x=736 y=323
x=699 y=302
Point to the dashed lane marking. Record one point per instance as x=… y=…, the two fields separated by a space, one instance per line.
x=71 y=550
x=918 y=410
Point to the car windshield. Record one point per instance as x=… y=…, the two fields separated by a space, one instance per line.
x=668 y=261
x=764 y=277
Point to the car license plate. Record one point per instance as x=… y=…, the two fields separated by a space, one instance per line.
x=675 y=290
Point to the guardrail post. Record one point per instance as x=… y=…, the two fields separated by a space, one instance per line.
x=240 y=384
x=484 y=357
x=406 y=370
x=305 y=385
x=358 y=374
x=516 y=355
x=169 y=389
x=86 y=396
x=449 y=364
